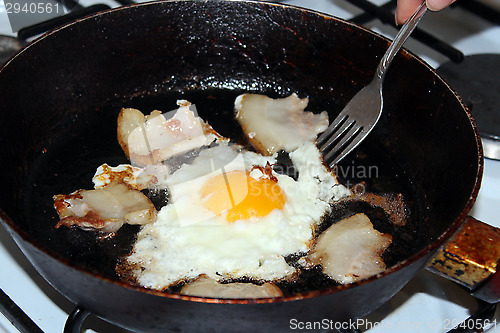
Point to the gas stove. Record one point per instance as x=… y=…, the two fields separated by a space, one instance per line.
x=428 y=303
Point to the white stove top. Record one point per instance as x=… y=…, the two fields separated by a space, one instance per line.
x=427 y=304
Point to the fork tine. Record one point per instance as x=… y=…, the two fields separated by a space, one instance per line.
x=341 y=118
x=340 y=130
x=344 y=146
x=346 y=151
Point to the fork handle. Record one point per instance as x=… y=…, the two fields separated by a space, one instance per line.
x=399 y=40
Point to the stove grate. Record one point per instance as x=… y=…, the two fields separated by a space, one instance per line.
x=384 y=13
x=474 y=324
x=476 y=81
x=16 y=315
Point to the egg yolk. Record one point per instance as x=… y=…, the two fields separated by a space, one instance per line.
x=242 y=196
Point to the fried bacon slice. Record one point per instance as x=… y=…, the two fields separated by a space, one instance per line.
x=204 y=286
x=104 y=209
x=137 y=178
x=350 y=250
x=154 y=138
x=286 y=124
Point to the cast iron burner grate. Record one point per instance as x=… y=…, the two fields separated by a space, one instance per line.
x=476 y=80
x=484 y=313
x=478 y=93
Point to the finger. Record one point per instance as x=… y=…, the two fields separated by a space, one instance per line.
x=406 y=8
x=436 y=5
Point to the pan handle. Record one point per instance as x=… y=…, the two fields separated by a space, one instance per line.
x=471 y=258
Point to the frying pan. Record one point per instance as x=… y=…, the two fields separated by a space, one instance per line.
x=61 y=95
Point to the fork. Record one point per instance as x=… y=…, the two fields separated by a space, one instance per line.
x=361 y=114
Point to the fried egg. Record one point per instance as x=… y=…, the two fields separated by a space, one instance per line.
x=231 y=216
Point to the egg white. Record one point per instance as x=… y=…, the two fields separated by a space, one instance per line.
x=188 y=239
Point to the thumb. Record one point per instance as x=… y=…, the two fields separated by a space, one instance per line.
x=436 y=5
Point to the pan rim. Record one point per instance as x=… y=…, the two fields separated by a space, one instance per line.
x=452 y=228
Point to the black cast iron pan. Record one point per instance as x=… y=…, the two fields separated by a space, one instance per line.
x=60 y=98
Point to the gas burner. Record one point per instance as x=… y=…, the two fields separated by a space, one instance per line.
x=476 y=81
x=9 y=46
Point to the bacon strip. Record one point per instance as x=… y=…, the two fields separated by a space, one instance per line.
x=104 y=209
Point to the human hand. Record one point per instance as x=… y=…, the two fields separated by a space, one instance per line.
x=406 y=8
